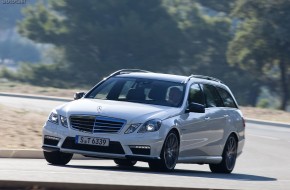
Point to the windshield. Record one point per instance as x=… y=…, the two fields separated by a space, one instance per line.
x=138 y=90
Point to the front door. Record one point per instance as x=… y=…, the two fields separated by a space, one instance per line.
x=193 y=127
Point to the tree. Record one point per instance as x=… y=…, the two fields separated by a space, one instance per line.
x=208 y=33
x=207 y=37
x=262 y=42
x=101 y=36
x=224 y=6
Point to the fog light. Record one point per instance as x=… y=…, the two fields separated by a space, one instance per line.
x=140 y=149
x=50 y=140
x=140 y=146
x=51 y=137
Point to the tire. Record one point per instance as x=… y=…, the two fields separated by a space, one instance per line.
x=57 y=158
x=126 y=163
x=228 y=158
x=169 y=155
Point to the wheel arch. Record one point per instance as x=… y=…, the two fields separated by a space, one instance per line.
x=175 y=130
x=235 y=135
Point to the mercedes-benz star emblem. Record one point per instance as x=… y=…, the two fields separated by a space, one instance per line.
x=99 y=109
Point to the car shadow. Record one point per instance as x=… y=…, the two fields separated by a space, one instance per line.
x=177 y=172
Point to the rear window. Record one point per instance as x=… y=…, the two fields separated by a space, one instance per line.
x=227 y=98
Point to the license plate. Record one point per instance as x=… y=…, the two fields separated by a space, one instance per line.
x=92 y=141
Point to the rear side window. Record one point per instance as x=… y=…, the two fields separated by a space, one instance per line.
x=195 y=95
x=212 y=97
x=227 y=98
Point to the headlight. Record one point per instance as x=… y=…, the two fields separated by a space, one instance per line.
x=53 y=117
x=150 y=126
x=132 y=128
x=63 y=120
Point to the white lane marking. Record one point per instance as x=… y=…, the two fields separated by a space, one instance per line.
x=265 y=137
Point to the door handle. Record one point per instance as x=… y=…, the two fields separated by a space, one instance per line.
x=207 y=118
x=226 y=115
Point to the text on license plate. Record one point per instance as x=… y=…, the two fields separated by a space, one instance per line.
x=92 y=141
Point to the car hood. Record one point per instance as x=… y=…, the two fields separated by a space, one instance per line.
x=132 y=112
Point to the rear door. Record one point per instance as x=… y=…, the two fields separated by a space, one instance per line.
x=234 y=121
x=197 y=131
x=216 y=116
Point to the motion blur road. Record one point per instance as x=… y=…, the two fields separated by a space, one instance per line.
x=29 y=103
x=264 y=164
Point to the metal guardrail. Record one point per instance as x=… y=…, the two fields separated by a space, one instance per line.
x=270 y=123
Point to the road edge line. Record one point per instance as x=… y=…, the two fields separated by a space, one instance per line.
x=264 y=122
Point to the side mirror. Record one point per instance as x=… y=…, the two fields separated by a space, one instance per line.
x=79 y=95
x=196 y=108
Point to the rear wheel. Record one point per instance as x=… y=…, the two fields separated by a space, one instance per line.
x=124 y=162
x=57 y=158
x=229 y=157
x=169 y=154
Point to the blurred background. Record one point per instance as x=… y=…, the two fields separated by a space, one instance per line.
x=72 y=44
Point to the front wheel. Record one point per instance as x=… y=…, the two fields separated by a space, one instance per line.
x=57 y=158
x=124 y=162
x=169 y=154
x=228 y=158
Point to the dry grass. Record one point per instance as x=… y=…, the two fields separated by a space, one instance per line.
x=266 y=114
x=20 y=129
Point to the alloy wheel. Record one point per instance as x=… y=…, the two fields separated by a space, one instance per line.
x=231 y=153
x=171 y=150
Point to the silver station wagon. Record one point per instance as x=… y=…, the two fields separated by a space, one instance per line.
x=163 y=119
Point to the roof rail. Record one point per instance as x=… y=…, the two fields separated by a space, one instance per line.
x=203 y=77
x=124 y=71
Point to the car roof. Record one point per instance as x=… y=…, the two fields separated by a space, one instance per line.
x=155 y=76
x=168 y=77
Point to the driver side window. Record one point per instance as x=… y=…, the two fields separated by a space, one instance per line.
x=196 y=95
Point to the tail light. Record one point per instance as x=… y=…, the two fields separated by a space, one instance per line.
x=244 y=122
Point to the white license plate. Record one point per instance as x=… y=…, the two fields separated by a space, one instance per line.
x=92 y=141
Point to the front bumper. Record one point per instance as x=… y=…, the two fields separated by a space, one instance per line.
x=135 y=146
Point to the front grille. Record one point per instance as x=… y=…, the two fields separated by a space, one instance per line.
x=113 y=148
x=96 y=124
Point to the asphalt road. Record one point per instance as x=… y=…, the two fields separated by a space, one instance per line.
x=264 y=164
x=29 y=103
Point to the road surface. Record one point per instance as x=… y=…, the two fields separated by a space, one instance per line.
x=264 y=164
x=29 y=103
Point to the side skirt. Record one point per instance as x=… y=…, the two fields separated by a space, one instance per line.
x=200 y=160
